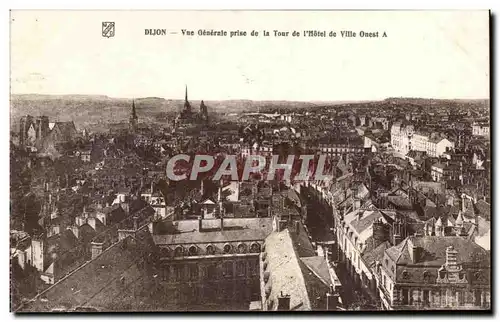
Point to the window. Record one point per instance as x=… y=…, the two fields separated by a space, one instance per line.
x=477 y=297
x=426 y=297
x=211 y=272
x=164 y=252
x=179 y=270
x=461 y=298
x=210 y=250
x=166 y=273
x=240 y=268
x=242 y=248
x=255 y=248
x=442 y=274
x=174 y=273
x=228 y=269
x=193 y=272
x=179 y=251
x=406 y=296
x=193 y=250
x=254 y=268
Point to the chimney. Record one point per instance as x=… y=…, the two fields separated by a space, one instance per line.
x=463 y=203
x=221 y=223
x=152 y=187
x=136 y=226
x=283 y=302
x=297 y=226
x=359 y=215
x=331 y=299
x=96 y=248
x=415 y=254
x=200 y=226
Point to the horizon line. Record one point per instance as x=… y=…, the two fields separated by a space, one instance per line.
x=261 y=100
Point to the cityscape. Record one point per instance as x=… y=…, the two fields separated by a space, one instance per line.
x=401 y=219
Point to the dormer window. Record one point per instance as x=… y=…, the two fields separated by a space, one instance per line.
x=255 y=248
x=179 y=251
x=442 y=274
x=242 y=248
x=164 y=252
x=210 y=250
x=227 y=248
x=193 y=250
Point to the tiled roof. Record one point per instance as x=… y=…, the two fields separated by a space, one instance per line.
x=235 y=229
x=99 y=283
x=285 y=271
x=483 y=209
x=318 y=265
x=375 y=254
x=434 y=250
x=366 y=221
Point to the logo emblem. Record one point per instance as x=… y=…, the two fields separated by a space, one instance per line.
x=108 y=29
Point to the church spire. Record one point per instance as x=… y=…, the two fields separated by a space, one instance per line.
x=134 y=114
x=186 y=99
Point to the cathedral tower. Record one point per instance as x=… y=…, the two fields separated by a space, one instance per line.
x=133 y=118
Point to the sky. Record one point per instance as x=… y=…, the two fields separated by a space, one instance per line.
x=432 y=54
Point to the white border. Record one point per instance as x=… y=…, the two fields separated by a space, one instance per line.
x=193 y=4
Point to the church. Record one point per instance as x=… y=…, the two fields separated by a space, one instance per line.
x=188 y=118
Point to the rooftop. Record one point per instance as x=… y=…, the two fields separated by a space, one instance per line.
x=235 y=229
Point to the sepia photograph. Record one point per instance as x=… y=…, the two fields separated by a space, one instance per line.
x=249 y=161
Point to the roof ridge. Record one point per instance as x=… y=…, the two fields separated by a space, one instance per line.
x=70 y=274
x=402 y=248
x=296 y=257
x=313 y=271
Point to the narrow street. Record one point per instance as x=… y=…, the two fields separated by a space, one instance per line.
x=320 y=225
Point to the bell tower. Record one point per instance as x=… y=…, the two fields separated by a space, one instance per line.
x=133 y=118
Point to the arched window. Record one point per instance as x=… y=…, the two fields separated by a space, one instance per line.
x=242 y=248
x=442 y=274
x=210 y=250
x=255 y=248
x=193 y=250
x=227 y=248
x=179 y=251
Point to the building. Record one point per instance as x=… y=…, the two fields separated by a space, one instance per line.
x=211 y=262
x=33 y=130
x=188 y=118
x=292 y=276
x=442 y=172
x=404 y=138
x=432 y=272
x=38 y=132
x=481 y=129
x=120 y=278
x=133 y=118
x=401 y=137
